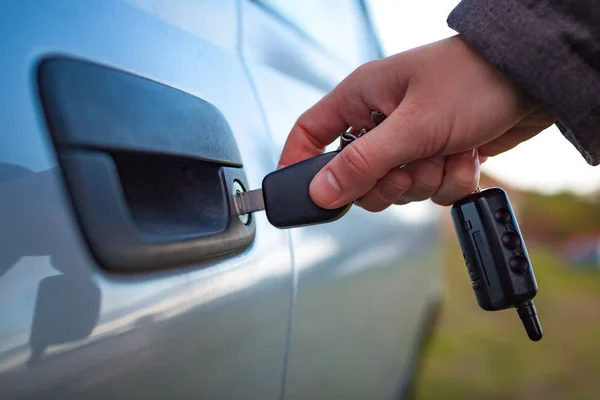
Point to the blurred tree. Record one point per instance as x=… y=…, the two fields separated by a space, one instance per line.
x=551 y=219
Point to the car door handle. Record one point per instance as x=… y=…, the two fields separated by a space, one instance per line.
x=150 y=169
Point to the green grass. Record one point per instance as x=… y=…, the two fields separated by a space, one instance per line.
x=487 y=355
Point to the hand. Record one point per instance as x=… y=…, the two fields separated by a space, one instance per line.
x=448 y=109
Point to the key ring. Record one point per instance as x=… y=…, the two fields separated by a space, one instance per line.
x=377 y=117
x=351 y=135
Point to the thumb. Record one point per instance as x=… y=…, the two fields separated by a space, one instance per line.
x=347 y=177
x=401 y=138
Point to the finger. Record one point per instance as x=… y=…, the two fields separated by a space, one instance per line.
x=349 y=104
x=386 y=190
x=509 y=140
x=426 y=175
x=403 y=137
x=461 y=177
x=319 y=126
x=538 y=117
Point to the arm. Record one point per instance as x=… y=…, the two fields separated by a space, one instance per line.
x=551 y=49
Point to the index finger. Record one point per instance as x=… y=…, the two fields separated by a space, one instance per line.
x=319 y=126
x=348 y=104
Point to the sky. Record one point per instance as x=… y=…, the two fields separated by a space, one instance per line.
x=547 y=163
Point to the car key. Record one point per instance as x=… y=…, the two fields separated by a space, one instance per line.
x=285 y=198
x=487 y=230
x=284 y=195
x=496 y=257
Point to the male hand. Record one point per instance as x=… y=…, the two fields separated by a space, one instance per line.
x=448 y=109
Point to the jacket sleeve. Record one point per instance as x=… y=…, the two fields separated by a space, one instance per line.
x=551 y=49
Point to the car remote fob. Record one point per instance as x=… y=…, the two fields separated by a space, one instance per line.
x=497 y=260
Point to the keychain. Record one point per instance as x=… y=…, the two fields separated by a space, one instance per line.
x=493 y=248
x=488 y=233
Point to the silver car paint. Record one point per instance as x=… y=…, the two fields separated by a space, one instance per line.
x=363 y=282
x=206 y=331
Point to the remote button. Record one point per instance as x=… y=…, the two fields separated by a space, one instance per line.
x=502 y=215
x=518 y=264
x=511 y=240
x=473 y=276
x=475 y=285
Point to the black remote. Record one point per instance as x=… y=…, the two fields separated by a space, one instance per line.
x=497 y=260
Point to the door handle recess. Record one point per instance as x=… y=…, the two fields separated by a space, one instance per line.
x=150 y=169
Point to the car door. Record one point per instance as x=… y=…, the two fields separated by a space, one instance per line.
x=124 y=270
x=365 y=283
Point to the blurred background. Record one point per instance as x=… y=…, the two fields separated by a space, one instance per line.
x=477 y=354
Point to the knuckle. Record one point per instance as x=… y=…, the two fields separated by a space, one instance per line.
x=404 y=199
x=464 y=185
x=458 y=188
x=356 y=158
x=366 y=68
x=440 y=201
x=426 y=182
x=426 y=187
x=413 y=197
x=430 y=133
x=380 y=208
x=374 y=206
x=302 y=128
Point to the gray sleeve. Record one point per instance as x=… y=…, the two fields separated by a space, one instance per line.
x=551 y=49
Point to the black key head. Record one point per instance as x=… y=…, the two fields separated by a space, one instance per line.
x=287 y=200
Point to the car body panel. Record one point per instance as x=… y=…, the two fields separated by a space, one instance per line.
x=215 y=330
x=365 y=282
x=318 y=312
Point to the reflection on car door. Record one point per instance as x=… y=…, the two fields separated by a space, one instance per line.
x=365 y=282
x=71 y=330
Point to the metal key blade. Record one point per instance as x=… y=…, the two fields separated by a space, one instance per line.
x=249 y=202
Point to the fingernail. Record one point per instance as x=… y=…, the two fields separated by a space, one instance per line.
x=476 y=155
x=325 y=189
x=477 y=167
x=390 y=191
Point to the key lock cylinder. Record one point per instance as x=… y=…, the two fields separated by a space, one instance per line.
x=489 y=236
